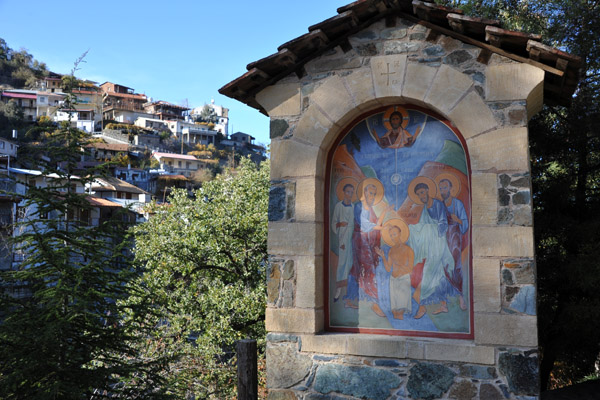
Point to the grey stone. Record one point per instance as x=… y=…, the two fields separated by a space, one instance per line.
x=479 y=90
x=290 y=200
x=367 y=50
x=449 y=43
x=523 y=181
x=316 y=396
x=504 y=180
x=510 y=292
x=387 y=363
x=458 y=57
x=503 y=197
x=524 y=301
x=523 y=216
x=394 y=47
x=419 y=28
x=429 y=60
x=522 y=197
x=277 y=206
x=288 y=294
x=288 y=270
x=273 y=283
x=393 y=33
x=500 y=106
x=524 y=274
x=367 y=35
x=360 y=382
x=322 y=65
x=281 y=337
x=522 y=373
x=463 y=390
x=476 y=76
x=488 y=391
x=507 y=277
x=417 y=36
x=434 y=51
x=505 y=216
x=278 y=127
x=281 y=395
x=319 y=357
x=478 y=372
x=286 y=367
x=517 y=117
x=429 y=381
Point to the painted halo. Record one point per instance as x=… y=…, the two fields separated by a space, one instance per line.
x=453 y=179
x=339 y=189
x=371 y=181
x=405 y=231
x=388 y=114
x=421 y=179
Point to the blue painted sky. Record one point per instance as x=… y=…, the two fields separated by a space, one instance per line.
x=172 y=51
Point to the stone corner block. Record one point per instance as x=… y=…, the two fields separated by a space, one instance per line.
x=503 y=149
x=329 y=343
x=506 y=330
x=503 y=241
x=309 y=201
x=516 y=81
x=361 y=88
x=484 y=189
x=333 y=98
x=294 y=238
x=294 y=320
x=279 y=100
x=309 y=282
x=486 y=285
x=459 y=352
x=417 y=82
x=291 y=158
x=377 y=346
x=472 y=116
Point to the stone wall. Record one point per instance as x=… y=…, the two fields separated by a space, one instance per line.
x=489 y=100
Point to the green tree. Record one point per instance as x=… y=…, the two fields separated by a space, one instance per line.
x=207 y=115
x=205 y=259
x=62 y=334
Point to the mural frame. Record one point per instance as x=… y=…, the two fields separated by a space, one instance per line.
x=328 y=211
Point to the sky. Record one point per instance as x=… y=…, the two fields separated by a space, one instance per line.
x=169 y=50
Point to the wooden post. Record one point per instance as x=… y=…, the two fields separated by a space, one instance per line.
x=247 y=370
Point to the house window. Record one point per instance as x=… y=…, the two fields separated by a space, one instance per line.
x=187 y=165
x=179 y=164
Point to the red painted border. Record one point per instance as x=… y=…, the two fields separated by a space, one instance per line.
x=395 y=332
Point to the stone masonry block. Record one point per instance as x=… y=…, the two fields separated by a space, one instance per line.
x=516 y=81
x=307 y=159
x=325 y=344
x=503 y=149
x=293 y=238
x=472 y=116
x=486 y=285
x=333 y=98
x=460 y=353
x=415 y=350
x=314 y=127
x=360 y=86
x=502 y=241
x=309 y=199
x=388 y=75
x=309 y=284
x=279 y=100
x=293 y=320
x=448 y=87
x=376 y=346
x=506 y=329
x=417 y=82
x=485 y=198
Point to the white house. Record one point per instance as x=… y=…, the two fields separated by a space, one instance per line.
x=182 y=164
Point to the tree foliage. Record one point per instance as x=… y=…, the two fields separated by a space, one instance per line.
x=205 y=260
x=62 y=334
x=565 y=151
x=18 y=68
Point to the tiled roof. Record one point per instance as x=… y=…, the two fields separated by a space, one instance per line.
x=112 y=184
x=126 y=95
x=562 y=69
x=100 y=202
x=19 y=95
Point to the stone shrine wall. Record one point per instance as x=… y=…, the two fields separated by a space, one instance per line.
x=489 y=100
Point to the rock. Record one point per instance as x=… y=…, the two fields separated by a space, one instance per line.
x=281 y=395
x=524 y=301
x=278 y=127
x=507 y=277
x=429 y=381
x=286 y=366
x=510 y=292
x=394 y=47
x=524 y=273
x=434 y=51
x=273 y=283
x=505 y=216
x=504 y=180
x=458 y=57
x=478 y=372
x=360 y=382
x=503 y=197
x=288 y=294
x=281 y=337
x=288 y=270
x=368 y=35
x=464 y=390
x=393 y=33
x=387 y=363
x=521 y=182
x=490 y=392
x=417 y=36
x=522 y=197
x=517 y=117
x=522 y=373
x=277 y=206
x=523 y=216
x=367 y=50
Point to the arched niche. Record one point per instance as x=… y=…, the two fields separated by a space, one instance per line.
x=391 y=264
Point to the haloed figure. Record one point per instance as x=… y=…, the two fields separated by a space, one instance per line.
x=342 y=225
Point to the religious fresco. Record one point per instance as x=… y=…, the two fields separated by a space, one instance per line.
x=399 y=236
